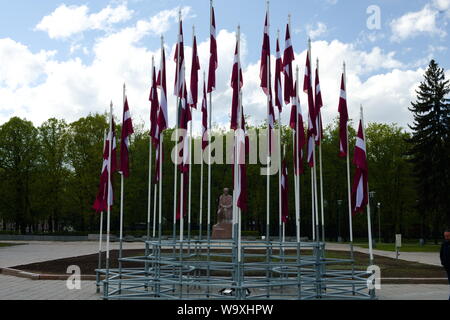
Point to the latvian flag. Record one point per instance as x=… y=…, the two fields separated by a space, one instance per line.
x=360 y=194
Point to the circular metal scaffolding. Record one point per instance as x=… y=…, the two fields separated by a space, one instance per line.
x=197 y=270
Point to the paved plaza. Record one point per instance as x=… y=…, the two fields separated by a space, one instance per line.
x=14 y=288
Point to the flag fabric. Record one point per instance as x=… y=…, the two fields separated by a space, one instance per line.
x=163 y=119
x=205 y=140
x=343 y=120
x=101 y=202
x=154 y=109
x=184 y=116
x=127 y=131
x=193 y=95
x=278 y=86
x=318 y=106
x=307 y=88
x=235 y=78
x=284 y=192
x=179 y=60
x=264 y=72
x=296 y=117
x=310 y=150
x=266 y=80
x=360 y=194
x=98 y=204
x=213 y=58
x=242 y=140
x=288 y=58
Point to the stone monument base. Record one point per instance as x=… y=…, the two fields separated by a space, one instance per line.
x=222 y=231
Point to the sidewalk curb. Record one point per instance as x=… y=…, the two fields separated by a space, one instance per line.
x=36 y=276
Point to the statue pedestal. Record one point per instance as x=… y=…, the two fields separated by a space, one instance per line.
x=222 y=231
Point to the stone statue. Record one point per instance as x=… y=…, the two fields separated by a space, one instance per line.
x=223 y=228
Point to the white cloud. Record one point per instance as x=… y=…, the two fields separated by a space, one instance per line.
x=415 y=23
x=67 y=21
x=320 y=29
x=71 y=89
x=441 y=5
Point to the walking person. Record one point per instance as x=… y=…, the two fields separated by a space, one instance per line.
x=445 y=254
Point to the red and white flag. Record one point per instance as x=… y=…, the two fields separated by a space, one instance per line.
x=163 y=119
x=266 y=79
x=193 y=95
x=101 y=202
x=307 y=88
x=237 y=82
x=297 y=118
x=278 y=72
x=284 y=192
x=205 y=139
x=288 y=58
x=360 y=194
x=127 y=131
x=318 y=107
x=154 y=110
x=213 y=59
x=179 y=60
x=343 y=120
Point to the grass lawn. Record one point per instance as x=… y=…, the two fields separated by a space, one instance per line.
x=3 y=245
x=390 y=268
x=406 y=247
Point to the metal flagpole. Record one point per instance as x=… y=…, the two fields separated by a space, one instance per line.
x=369 y=221
x=161 y=138
x=201 y=178
x=319 y=133
x=279 y=160
x=155 y=200
x=108 y=220
x=297 y=160
x=121 y=206
x=208 y=227
x=314 y=169
x=100 y=242
x=175 y=188
x=150 y=172
x=268 y=135
x=182 y=175
x=190 y=172
x=349 y=192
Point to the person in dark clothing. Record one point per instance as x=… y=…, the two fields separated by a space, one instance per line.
x=445 y=254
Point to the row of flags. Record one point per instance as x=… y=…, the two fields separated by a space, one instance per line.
x=286 y=93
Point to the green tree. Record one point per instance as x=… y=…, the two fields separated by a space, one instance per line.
x=18 y=154
x=430 y=152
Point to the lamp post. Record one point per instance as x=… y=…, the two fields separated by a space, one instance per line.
x=379 y=221
x=372 y=195
x=339 y=220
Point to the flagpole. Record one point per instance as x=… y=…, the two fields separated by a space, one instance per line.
x=100 y=243
x=161 y=138
x=369 y=220
x=202 y=174
x=279 y=161
x=268 y=134
x=314 y=169
x=177 y=138
x=150 y=156
x=349 y=192
x=121 y=205
x=190 y=168
x=319 y=133
x=182 y=208
x=108 y=220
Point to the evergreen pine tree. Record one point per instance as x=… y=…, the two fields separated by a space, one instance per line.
x=430 y=149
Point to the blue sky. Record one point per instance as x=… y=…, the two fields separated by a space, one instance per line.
x=66 y=58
